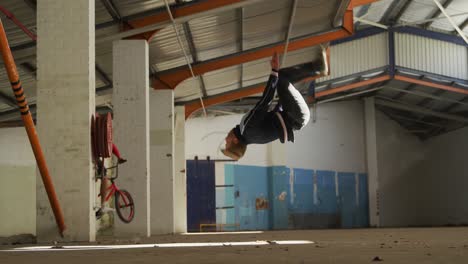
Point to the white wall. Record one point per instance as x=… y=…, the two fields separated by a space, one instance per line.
x=334 y=142
x=422 y=183
x=400 y=156
x=444 y=181
x=17 y=183
x=204 y=135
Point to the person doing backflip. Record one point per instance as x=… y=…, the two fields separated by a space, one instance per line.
x=260 y=125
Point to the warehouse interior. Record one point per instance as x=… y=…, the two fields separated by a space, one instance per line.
x=378 y=173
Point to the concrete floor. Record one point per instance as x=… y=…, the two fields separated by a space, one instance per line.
x=415 y=245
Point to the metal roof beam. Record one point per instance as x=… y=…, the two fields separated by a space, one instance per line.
x=102 y=75
x=342 y=6
x=452 y=106
x=401 y=11
x=421 y=110
x=32 y=4
x=112 y=10
x=416 y=120
x=455 y=26
x=392 y=10
x=193 y=50
x=171 y=78
x=433 y=96
x=428 y=99
x=431 y=84
x=362 y=12
x=437 y=13
x=8 y=100
x=352 y=86
x=241 y=43
x=223 y=98
x=463 y=25
x=146 y=27
x=29 y=68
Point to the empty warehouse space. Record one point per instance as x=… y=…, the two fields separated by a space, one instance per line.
x=283 y=131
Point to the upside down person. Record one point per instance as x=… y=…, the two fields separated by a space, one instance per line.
x=260 y=125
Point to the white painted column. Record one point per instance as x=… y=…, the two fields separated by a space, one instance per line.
x=130 y=99
x=162 y=161
x=372 y=164
x=65 y=99
x=180 y=181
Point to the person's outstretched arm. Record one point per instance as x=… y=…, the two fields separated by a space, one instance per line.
x=261 y=108
x=270 y=88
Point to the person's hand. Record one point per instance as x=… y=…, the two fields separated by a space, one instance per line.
x=275 y=62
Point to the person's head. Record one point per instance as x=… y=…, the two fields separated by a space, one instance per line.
x=235 y=149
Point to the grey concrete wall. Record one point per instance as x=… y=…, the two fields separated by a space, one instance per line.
x=400 y=157
x=65 y=103
x=334 y=142
x=130 y=97
x=17 y=183
x=443 y=185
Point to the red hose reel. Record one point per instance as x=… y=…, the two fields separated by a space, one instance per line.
x=101 y=136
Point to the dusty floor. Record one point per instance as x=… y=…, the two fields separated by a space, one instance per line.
x=418 y=245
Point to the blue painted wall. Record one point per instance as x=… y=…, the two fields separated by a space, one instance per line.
x=297 y=199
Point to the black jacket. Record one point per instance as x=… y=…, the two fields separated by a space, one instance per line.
x=260 y=126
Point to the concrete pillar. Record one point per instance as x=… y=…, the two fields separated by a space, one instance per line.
x=180 y=181
x=372 y=165
x=130 y=99
x=65 y=99
x=162 y=161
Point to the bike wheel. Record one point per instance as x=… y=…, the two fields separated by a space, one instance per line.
x=124 y=206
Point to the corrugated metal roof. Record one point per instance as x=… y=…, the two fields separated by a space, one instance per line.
x=259 y=24
x=23 y=13
x=456 y=7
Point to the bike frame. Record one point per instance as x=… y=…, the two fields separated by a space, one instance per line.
x=113 y=187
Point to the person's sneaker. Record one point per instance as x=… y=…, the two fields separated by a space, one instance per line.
x=102 y=211
x=122 y=161
x=323 y=62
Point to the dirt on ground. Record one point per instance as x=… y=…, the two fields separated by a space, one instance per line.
x=408 y=245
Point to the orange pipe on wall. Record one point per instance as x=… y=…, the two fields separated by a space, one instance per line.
x=30 y=128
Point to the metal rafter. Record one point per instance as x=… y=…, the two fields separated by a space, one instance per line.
x=112 y=10
x=406 y=118
x=362 y=12
x=391 y=10
x=454 y=25
x=29 y=68
x=8 y=100
x=342 y=6
x=169 y=79
x=420 y=110
x=102 y=75
x=436 y=13
x=32 y=4
x=241 y=43
x=389 y=113
x=463 y=25
x=401 y=11
x=192 y=50
x=427 y=100
x=288 y=33
x=452 y=106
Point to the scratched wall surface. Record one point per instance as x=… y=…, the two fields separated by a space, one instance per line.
x=295 y=198
x=17 y=183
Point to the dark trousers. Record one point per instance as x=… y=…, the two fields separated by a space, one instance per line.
x=291 y=102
